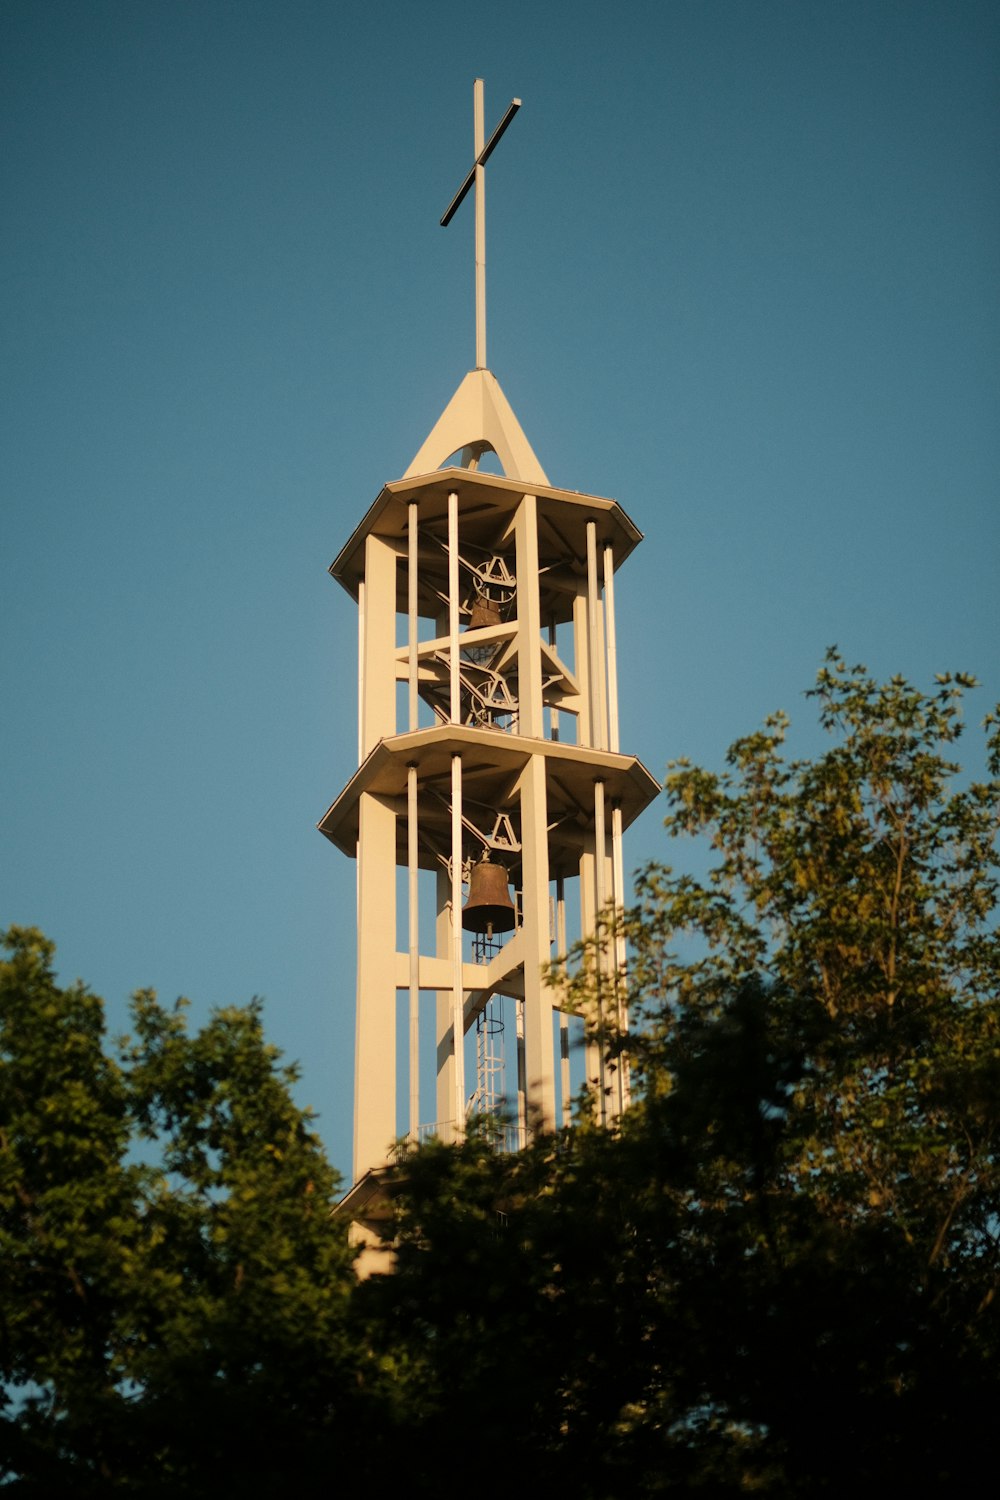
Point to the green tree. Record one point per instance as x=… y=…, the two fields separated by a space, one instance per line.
x=68 y=1220
x=819 y=1054
x=863 y=887
x=780 y=1274
x=175 y=1295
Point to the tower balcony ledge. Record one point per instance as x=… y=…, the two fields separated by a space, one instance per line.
x=492 y=764
x=487 y=506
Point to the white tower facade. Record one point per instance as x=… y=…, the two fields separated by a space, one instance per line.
x=488 y=808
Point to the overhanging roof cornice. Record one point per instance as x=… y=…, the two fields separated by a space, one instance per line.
x=487 y=504
x=491 y=762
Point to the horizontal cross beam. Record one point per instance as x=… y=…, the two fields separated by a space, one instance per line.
x=480 y=161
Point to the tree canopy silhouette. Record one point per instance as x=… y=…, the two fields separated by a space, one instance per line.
x=778 y=1273
x=174 y=1294
x=781 y=1272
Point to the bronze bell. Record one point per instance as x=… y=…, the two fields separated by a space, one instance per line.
x=489 y=908
x=484 y=612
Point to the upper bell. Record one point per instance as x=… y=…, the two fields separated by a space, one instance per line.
x=484 y=612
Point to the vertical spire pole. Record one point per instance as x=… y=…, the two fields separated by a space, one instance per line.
x=478 y=116
x=476 y=178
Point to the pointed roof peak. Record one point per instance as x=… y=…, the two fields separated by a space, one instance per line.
x=479 y=419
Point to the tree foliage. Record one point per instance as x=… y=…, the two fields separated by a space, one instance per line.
x=778 y=1274
x=781 y=1273
x=167 y=1258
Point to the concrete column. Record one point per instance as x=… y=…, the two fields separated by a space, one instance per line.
x=445 y=1087
x=598 y=716
x=458 y=991
x=612 y=646
x=538 y=1048
x=445 y=1095
x=553 y=712
x=588 y=908
x=411 y=599
x=618 y=882
x=565 y=1085
x=522 y=1085
x=581 y=665
x=531 y=720
x=600 y=901
x=375 y=1026
x=379 y=694
x=361 y=671
x=595 y=882
x=412 y=855
x=454 y=712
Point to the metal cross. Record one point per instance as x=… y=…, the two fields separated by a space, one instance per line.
x=477 y=176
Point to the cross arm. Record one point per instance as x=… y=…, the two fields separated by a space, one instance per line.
x=480 y=161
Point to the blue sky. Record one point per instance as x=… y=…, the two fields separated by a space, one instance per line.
x=742 y=276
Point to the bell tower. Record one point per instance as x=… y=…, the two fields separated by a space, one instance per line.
x=488 y=808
